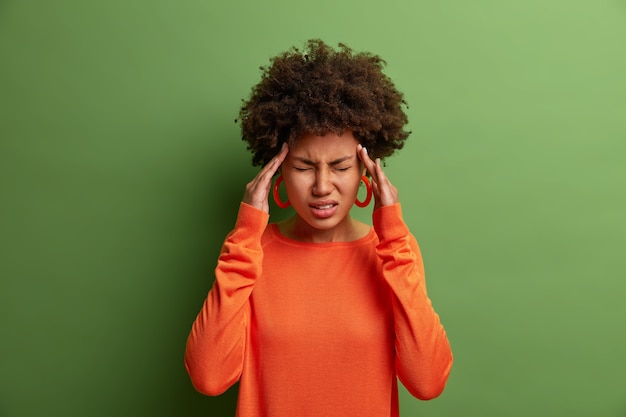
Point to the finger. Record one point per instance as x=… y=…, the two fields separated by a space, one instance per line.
x=257 y=190
x=370 y=166
x=380 y=174
x=275 y=162
x=264 y=178
x=268 y=171
x=386 y=191
x=280 y=157
x=382 y=180
x=284 y=150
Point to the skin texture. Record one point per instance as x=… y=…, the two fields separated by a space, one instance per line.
x=322 y=174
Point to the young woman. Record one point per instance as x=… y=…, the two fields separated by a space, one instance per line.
x=319 y=315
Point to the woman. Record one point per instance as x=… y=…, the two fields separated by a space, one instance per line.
x=319 y=314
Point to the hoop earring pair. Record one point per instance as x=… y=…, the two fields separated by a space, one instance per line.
x=284 y=204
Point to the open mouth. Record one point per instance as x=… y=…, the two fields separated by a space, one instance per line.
x=324 y=209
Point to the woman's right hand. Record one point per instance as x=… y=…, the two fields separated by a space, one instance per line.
x=257 y=190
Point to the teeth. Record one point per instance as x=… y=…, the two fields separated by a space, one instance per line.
x=327 y=206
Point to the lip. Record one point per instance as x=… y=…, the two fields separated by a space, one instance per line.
x=324 y=208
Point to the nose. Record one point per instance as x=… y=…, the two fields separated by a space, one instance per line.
x=323 y=184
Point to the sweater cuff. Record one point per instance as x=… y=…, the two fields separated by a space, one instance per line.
x=251 y=220
x=388 y=223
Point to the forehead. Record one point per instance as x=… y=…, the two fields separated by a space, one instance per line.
x=322 y=146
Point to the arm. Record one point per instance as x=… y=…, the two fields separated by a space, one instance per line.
x=215 y=346
x=423 y=354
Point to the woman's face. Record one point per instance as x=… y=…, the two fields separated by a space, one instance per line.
x=322 y=176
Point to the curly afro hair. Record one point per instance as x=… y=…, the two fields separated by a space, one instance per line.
x=321 y=90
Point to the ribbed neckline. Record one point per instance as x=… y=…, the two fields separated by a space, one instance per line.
x=365 y=240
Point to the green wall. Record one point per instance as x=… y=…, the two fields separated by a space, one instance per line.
x=121 y=170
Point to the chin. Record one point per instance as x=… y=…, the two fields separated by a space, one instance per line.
x=328 y=223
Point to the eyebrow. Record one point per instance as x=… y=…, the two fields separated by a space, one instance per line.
x=331 y=163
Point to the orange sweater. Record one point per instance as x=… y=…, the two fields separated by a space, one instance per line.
x=318 y=329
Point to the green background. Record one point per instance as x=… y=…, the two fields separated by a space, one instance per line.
x=121 y=169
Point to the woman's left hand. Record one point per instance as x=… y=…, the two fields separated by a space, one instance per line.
x=385 y=193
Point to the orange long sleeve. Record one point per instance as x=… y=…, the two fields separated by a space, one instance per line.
x=216 y=346
x=423 y=354
x=318 y=329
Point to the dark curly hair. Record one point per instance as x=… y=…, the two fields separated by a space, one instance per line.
x=321 y=90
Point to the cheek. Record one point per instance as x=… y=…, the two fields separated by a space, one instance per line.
x=352 y=184
x=296 y=185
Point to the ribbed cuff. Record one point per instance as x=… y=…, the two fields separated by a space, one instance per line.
x=388 y=223
x=251 y=220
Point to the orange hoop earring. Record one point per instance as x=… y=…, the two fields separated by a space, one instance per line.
x=279 y=202
x=368 y=197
